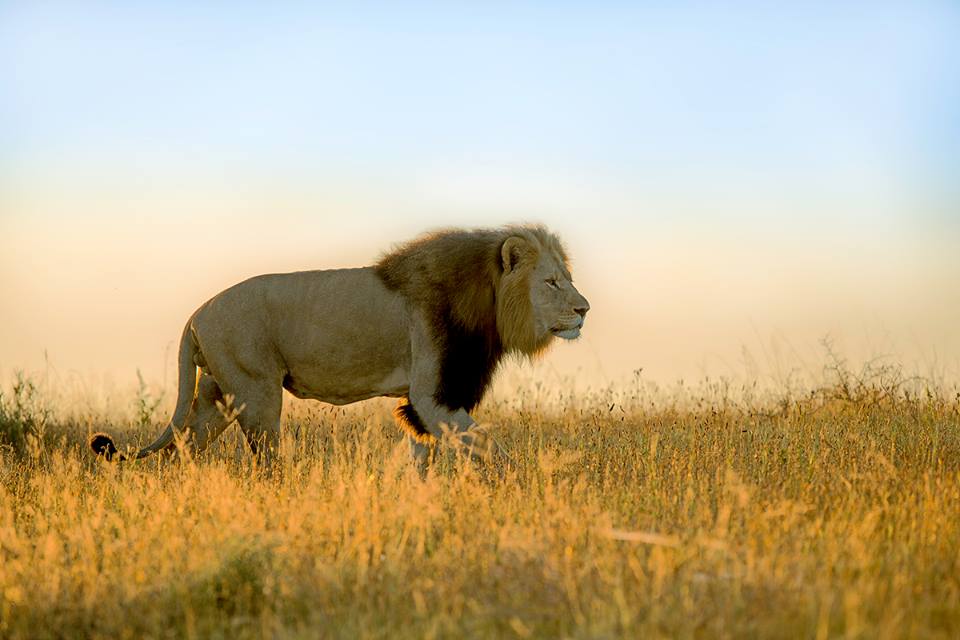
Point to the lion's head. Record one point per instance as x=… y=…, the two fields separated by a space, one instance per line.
x=536 y=299
x=512 y=285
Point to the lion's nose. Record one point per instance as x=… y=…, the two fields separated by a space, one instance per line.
x=582 y=309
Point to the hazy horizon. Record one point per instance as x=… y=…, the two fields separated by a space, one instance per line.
x=734 y=185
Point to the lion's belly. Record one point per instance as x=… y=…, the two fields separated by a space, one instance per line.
x=352 y=387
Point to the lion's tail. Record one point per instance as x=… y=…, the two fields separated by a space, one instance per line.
x=103 y=444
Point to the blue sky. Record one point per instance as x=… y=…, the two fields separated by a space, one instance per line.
x=830 y=95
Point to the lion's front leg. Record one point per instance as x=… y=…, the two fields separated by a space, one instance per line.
x=476 y=441
x=421 y=453
x=431 y=413
x=429 y=424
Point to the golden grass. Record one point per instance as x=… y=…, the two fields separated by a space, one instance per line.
x=628 y=515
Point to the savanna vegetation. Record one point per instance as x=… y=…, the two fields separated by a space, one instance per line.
x=634 y=511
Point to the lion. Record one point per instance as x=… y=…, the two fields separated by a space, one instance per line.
x=429 y=323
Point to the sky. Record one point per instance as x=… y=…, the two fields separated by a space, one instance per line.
x=735 y=181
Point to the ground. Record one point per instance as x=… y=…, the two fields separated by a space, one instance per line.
x=690 y=512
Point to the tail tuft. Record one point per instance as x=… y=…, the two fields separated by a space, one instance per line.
x=103 y=445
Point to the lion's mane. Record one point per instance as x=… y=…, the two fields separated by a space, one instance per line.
x=476 y=311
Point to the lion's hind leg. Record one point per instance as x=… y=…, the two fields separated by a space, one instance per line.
x=259 y=403
x=208 y=415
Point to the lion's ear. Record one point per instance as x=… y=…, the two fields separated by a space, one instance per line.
x=515 y=251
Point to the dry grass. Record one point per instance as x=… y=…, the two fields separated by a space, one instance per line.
x=631 y=513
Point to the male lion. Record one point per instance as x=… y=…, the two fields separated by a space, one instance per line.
x=429 y=323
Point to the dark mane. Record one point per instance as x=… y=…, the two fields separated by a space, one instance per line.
x=452 y=277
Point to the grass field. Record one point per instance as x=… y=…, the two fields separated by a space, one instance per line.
x=632 y=512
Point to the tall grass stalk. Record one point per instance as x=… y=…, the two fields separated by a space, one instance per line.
x=828 y=513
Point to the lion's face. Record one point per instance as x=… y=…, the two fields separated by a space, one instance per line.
x=558 y=308
x=536 y=299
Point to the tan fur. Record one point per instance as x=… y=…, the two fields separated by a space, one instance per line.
x=346 y=335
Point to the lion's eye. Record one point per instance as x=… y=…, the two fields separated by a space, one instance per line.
x=552 y=282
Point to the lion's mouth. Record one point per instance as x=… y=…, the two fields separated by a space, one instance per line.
x=567 y=333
